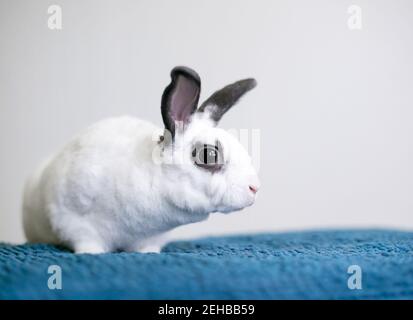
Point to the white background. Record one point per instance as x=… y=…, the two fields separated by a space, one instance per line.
x=334 y=106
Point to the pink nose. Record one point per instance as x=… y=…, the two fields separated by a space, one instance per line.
x=254 y=189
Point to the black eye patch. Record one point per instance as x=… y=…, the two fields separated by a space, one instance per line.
x=208 y=156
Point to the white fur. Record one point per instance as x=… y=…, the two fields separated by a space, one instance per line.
x=104 y=192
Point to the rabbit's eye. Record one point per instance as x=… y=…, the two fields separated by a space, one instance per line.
x=208 y=156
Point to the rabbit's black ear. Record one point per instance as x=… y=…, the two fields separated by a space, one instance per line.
x=222 y=100
x=180 y=98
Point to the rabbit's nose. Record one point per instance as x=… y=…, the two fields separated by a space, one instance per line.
x=253 y=188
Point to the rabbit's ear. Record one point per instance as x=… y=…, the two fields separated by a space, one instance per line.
x=180 y=98
x=222 y=100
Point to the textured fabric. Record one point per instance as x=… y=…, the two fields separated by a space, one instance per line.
x=302 y=265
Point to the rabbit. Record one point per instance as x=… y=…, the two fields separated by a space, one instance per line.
x=124 y=182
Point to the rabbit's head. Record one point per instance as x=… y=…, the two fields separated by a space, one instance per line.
x=205 y=169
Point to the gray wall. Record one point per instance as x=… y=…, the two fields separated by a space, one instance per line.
x=334 y=106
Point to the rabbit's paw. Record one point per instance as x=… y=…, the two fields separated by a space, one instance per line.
x=89 y=247
x=150 y=249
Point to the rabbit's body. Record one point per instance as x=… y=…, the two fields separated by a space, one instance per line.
x=101 y=193
x=106 y=190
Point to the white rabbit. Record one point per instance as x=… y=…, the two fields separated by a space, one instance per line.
x=123 y=182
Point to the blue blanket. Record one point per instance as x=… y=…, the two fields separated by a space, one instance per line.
x=301 y=265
